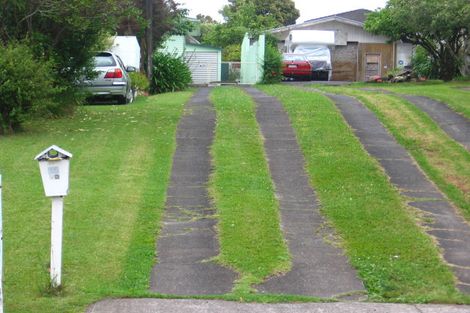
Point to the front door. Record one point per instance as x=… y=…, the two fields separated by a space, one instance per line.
x=372 y=65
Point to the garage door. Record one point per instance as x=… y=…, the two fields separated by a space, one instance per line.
x=204 y=66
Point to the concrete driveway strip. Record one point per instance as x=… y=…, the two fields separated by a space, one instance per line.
x=188 y=238
x=319 y=269
x=215 y=306
x=451 y=231
x=454 y=124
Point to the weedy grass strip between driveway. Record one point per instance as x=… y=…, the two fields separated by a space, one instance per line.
x=119 y=173
x=454 y=124
x=396 y=260
x=451 y=233
x=454 y=94
x=318 y=267
x=250 y=236
x=188 y=240
x=446 y=162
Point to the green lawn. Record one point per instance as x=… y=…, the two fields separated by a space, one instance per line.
x=119 y=173
x=250 y=235
x=395 y=258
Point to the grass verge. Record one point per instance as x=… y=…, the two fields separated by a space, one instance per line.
x=250 y=236
x=396 y=260
x=119 y=174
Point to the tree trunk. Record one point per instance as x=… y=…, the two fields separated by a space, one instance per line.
x=149 y=36
x=448 y=65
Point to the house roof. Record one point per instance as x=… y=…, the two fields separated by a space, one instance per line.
x=355 y=15
x=356 y=18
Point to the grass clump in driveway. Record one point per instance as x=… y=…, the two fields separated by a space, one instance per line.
x=395 y=259
x=119 y=172
x=250 y=235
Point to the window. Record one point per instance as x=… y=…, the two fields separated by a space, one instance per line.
x=104 y=60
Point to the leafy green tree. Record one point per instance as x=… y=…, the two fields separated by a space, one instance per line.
x=206 y=19
x=158 y=18
x=165 y=17
x=440 y=27
x=282 y=12
x=252 y=16
x=67 y=33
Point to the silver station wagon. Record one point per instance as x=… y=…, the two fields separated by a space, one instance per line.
x=112 y=80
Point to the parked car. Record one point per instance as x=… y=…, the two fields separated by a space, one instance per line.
x=320 y=58
x=296 y=66
x=112 y=79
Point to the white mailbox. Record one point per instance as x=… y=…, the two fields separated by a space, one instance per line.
x=54 y=164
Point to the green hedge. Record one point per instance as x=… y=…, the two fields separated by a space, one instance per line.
x=170 y=73
x=26 y=85
x=272 y=68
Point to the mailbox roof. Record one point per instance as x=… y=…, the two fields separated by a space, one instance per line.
x=56 y=148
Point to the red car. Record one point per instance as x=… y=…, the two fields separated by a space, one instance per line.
x=296 y=66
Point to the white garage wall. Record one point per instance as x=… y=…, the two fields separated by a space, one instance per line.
x=204 y=66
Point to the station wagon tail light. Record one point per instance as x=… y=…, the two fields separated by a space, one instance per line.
x=114 y=73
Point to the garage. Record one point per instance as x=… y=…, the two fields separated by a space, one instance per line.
x=204 y=62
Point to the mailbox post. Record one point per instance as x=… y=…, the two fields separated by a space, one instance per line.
x=54 y=164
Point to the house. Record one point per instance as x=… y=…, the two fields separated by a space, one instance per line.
x=356 y=54
x=204 y=62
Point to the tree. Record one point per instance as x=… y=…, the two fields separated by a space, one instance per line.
x=206 y=19
x=440 y=27
x=64 y=32
x=157 y=19
x=283 y=12
x=50 y=44
x=252 y=16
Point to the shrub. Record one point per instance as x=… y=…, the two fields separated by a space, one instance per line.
x=26 y=85
x=272 y=68
x=139 y=81
x=462 y=78
x=170 y=73
x=422 y=63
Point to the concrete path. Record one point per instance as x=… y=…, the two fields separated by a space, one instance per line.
x=319 y=269
x=454 y=124
x=188 y=238
x=451 y=231
x=214 y=306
